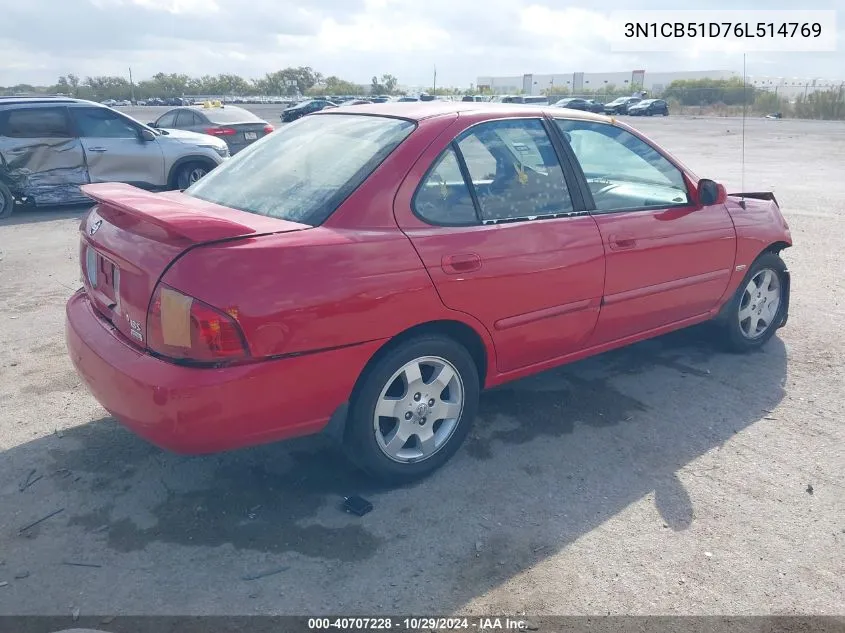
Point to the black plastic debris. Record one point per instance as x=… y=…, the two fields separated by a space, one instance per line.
x=357 y=505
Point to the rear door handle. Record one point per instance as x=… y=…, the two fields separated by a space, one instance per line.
x=463 y=263
x=97 y=149
x=621 y=242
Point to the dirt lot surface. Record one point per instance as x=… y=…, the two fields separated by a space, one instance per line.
x=664 y=478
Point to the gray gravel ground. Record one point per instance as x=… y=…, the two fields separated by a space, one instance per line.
x=664 y=478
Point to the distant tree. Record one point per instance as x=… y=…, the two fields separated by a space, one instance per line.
x=376 y=88
x=389 y=82
x=336 y=86
x=73 y=80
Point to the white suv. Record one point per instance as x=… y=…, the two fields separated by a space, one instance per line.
x=50 y=146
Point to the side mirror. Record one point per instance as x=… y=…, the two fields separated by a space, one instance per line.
x=710 y=192
x=147 y=135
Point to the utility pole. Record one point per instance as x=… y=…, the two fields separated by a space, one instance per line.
x=434 y=86
x=131 y=85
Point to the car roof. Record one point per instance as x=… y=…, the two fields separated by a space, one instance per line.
x=46 y=100
x=419 y=110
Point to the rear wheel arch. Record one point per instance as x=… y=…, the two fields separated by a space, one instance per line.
x=205 y=161
x=457 y=331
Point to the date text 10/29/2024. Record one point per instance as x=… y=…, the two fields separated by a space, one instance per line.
x=419 y=624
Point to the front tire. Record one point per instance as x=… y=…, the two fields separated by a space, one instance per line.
x=7 y=202
x=757 y=309
x=189 y=174
x=413 y=409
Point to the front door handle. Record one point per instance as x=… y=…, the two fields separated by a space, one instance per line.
x=462 y=263
x=97 y=149
x=622 y=242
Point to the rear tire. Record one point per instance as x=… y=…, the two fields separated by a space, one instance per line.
x=426 y=392
x=189 y=173
x=7 y=202
x=757 y=309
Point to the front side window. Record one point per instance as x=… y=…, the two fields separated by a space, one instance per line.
x=514 y=170
x=103 y=123
x=303 y=172
x=623 y=172
x=37 y=123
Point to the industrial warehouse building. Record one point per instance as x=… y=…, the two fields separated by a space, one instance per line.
x=653 y=82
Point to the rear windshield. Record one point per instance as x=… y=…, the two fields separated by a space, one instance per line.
x=306 y=169
x=229 y=115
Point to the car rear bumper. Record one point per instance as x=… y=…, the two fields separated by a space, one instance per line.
x=205 y=410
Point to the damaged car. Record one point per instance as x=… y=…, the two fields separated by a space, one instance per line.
x=51 y=146
x=365 y=272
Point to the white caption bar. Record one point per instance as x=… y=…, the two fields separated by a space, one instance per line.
x=723 y=31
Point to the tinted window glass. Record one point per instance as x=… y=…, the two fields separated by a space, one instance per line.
x=443 y=196
x=185 y=118
x=514 y=170
x=37 y=123
x=230 y=114
x=102 y=123
x=167 y=120
x=623 y=171
x=306 y=169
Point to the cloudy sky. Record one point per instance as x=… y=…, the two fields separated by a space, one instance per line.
x=355 y=39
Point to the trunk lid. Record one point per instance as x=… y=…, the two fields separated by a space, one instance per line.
x=131 y=237
x=248 y=132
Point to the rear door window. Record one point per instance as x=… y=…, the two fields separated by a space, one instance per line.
x=37 y=123
x=167 y=120
x=514 y=170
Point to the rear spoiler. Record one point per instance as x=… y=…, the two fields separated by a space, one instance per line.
x=166 y=213
x=758 y=195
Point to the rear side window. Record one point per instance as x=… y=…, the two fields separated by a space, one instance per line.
x=443 y=197
x=187 y=118
x=37 y=123
x=305 y=170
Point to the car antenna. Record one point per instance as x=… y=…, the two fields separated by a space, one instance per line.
x=744 y=111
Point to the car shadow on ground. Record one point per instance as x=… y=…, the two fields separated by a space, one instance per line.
x=550 y=458
x=24 y=214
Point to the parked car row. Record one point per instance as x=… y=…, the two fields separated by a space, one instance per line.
x=50 y=146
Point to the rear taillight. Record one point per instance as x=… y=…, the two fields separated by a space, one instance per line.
x=221 y=131
x=268 y=128
x=184 y=328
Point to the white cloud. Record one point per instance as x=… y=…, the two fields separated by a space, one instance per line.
x=354 y=39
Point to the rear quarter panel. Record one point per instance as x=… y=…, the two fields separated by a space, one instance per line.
x=311 y=290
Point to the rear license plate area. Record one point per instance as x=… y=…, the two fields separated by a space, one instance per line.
x=103 y=277
x=250 y=136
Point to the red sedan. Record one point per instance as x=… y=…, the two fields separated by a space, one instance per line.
x=367 y=271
